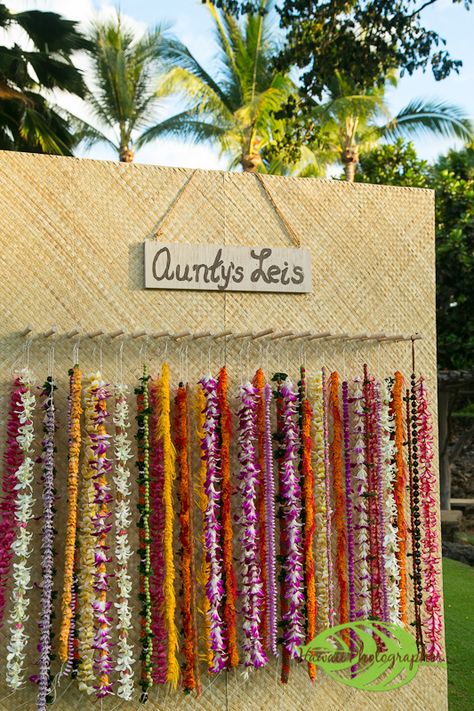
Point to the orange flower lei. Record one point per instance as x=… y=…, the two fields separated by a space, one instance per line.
x=189 y=681
x=230 y=584
x=75 y=413
x=335 y=454
x=399 y=493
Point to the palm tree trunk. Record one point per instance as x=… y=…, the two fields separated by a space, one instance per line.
x=349 y=171
x=126 y=155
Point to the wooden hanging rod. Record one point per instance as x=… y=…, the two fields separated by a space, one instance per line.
x=269 y=334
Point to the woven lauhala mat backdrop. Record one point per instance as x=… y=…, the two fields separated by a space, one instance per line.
x=71 y=253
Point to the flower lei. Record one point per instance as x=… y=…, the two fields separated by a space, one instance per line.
x=432 y=623
x=204 y=572
x=186 y=537
x=13 y=457
x=143 y=465
x=382 y=562
x=399 y=493
x=348 y=498
x=102 y=525
x=361 y=501
x=412 y=442
x=212 y=528
x=259 y=382
x=252 y=587
x=292 y=617
x=390 y=507
x=269 y=529
x=47 y=558
x=307 y=487
x=335 y=453
x=123 y=552
x=66 y=631
x=84 y=626
x=172 y=674
x=328 y=486
x=225 y=422
x=21 y=574
x=321 y=562
x=157 y=554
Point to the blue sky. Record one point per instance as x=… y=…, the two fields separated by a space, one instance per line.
x=191 y=23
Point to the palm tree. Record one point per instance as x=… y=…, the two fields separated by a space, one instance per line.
x=123 y=95
x=29 y=119
x=233 y=106
x=353 y=122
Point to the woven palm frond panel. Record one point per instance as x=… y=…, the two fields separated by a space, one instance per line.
x=71 y=254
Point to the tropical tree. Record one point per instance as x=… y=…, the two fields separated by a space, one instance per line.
x=31 y=75
x=353 y=122
x=235 y=105
x=122 y=94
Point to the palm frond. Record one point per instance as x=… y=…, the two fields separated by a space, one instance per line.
x=185 y=125
x=428 y=117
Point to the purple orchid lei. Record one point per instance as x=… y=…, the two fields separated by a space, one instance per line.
x=47 y=558
x=213 y=527
x=102 y=526
x=292 y=618
x=349 y=501
x=252 y=586
x=270 y=528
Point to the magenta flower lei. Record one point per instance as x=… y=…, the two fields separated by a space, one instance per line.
x=213 y=527
x=102 y=526
x=433 y=622
x=252 y=586
x=47 y=560
x=157 y=553
x=293 y=617
x=12 y=459
x=329 y=511
x=270 y=528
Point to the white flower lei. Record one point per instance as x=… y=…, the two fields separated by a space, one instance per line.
x=21 y=573
x=123 y=518
x=390 y=507
x=315 y=385
x=360 y=501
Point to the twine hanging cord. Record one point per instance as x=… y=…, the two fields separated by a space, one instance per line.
x=289 y=229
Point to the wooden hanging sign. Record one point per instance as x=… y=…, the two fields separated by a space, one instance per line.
x=227 y=268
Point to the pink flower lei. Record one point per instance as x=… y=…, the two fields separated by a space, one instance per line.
x=433 y=621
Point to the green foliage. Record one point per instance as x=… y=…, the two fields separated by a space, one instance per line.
x=236 y=105
x=453 y=180
x=459 y=621
x=394 y=164
x=28 y=121
x=368 y=38
x=452 y=177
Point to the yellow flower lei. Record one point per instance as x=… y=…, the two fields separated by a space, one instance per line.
x=315 y=385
